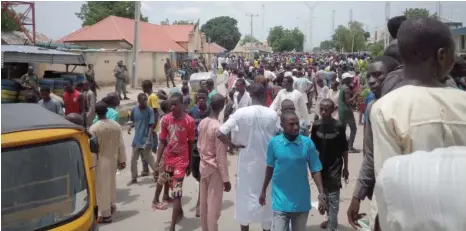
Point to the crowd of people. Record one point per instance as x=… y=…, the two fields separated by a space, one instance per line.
x=409 y=99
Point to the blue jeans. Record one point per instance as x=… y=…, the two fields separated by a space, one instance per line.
x=281 y=221
x=333 y=199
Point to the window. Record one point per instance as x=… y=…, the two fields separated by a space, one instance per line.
x=42 y=185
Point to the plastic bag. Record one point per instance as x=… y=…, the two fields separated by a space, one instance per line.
x=423 y=191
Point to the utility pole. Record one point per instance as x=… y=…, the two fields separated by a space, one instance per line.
x=263 y=21
x=137 y=16
x=439 y=10
x=387 y=17
x=351 y=15
x=311 y=18
x=252 y=20
x=333 y=21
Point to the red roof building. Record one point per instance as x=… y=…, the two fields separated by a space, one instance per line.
x=118 y=33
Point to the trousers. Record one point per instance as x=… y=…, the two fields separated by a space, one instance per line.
x=146 y=154
x=281 y=221
x=211 y=189
x=351 y=122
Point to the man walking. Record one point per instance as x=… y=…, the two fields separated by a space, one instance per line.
x=256 y=125
x=111 y=150
x=345 y=111
x=142 y=118
x=289 y=155
x=329 y=138
x=213 y=167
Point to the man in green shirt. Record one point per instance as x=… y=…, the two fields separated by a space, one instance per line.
x=211 y=88
x=345 y=112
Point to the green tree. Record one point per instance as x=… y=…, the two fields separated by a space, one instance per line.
x=376 y=48
x=274 y=34
x=8 y=23
x=222 y=30
x=351 y=38
x=91 y=12
x=281 y=39
x=327 y=45
x=417 y=12
x=249 y=39
x=165 y=22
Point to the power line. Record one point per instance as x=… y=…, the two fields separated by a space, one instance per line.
x=252 y=20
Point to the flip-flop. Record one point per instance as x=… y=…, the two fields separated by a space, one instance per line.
x=104 y=220
x=159 y=206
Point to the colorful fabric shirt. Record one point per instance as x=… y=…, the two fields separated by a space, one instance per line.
x=290 y=160
x=177 y=133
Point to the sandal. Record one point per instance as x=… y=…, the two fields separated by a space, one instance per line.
x=324 y=225
x=104 y=220
x=159 y=206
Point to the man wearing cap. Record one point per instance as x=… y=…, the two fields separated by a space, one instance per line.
x=345 y=111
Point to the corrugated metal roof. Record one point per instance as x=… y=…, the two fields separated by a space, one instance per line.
x=459 y=31
x=33 y=50
x=33 y=54
x=19 y=38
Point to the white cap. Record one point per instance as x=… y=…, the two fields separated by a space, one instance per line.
x=295 y=70
x=346 y=75
x=288 y=74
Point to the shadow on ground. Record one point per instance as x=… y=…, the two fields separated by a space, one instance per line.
x=227 y=204
x=123 y=214
x=123 y=195
x=340 y=228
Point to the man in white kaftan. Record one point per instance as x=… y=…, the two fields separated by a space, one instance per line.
x=295 y=96
x=111 y=152
x=244 y=101
x=257 y=125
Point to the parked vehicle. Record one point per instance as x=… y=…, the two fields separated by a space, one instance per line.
x=47 y=177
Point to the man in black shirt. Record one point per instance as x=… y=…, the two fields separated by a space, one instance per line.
x=329 y=138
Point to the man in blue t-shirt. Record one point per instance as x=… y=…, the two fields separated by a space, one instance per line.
x=142 y=118
x=289 y=155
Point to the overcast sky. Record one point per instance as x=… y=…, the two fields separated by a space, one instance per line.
x=57 y=19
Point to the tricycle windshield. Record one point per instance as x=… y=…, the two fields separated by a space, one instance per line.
x=43 y=185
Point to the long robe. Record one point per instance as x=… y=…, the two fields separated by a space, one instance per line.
x=111 y=149
x=257 y=125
